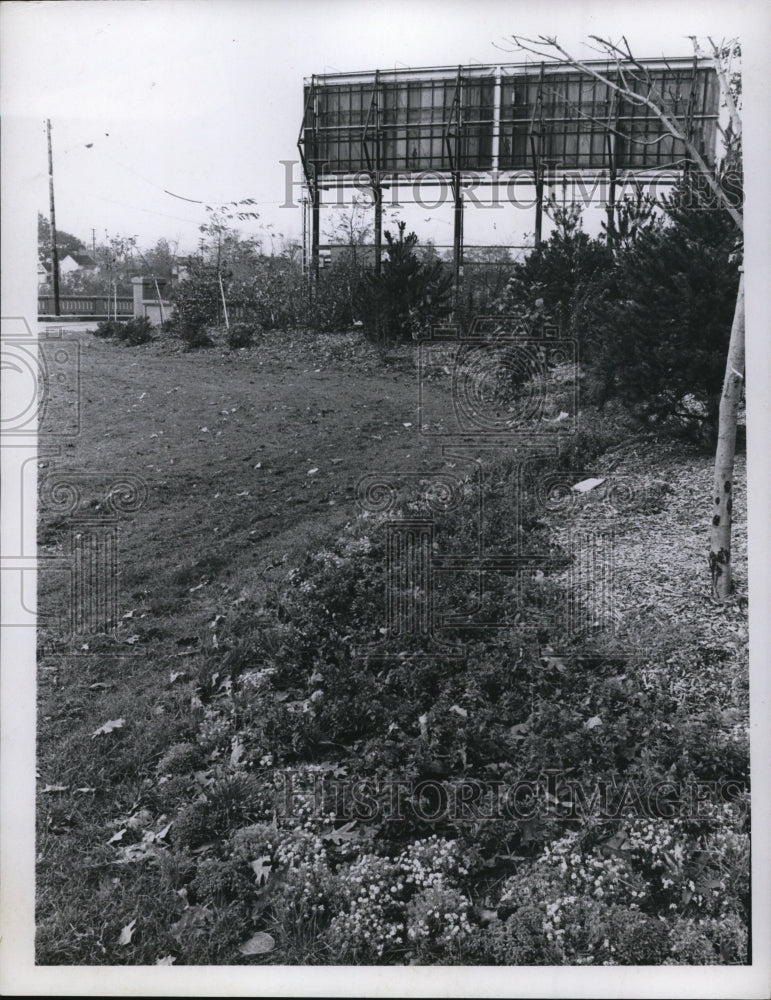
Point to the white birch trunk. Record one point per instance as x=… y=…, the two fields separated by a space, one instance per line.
x=722 y=495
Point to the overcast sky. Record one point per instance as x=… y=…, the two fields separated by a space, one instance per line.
x=203 y=98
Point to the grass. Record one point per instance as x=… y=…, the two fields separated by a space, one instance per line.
x=247 y=583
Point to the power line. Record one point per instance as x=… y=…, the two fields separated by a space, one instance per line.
x=149 y=211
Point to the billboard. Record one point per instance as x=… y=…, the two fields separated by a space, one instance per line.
x=482 y=118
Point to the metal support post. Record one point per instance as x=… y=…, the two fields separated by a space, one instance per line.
x=457 y=240
x=377 y=192
x=377 y=188
x=315 y=221
x=538 y=202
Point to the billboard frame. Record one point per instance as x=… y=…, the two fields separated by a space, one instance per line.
x=374 y=134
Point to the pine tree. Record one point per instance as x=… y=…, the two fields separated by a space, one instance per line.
x=408 y=294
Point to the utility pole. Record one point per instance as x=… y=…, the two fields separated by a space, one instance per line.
x=93 y=243
x=54 y=251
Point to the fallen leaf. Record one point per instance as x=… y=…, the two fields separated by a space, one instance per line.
x=132 y=639
x=587 y=484
x=168 y=960
x=193 y=919
x=236 y=753
x=142 y=818
x=259 y=944
x=127 y=933
x=548 y=659
x=593 y=722
x=459 y=711
x=617 y=841
x=342 y=833
x=108 y=727
x=129 y=614
x=261 y=868
x=301 y=705
x=485 y=916
x=117 y=836
x=142 y=851
x=312 y=472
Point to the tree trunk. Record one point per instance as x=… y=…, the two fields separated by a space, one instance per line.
x=722 y=496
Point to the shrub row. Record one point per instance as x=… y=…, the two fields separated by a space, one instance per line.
x=131 y=332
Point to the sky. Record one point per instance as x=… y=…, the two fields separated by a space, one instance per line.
x=158 y=104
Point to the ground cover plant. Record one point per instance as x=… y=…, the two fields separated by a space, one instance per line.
x=235 y=773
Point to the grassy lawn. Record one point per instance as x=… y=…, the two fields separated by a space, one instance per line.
x=196 y=762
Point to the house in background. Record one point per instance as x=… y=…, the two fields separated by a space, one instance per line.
x=44 y=271
x=82 y=262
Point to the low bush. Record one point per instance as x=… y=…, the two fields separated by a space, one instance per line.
x=136 y=331
x=194 y=336
x=132 y=332
x=107 y=328
x=242 y=335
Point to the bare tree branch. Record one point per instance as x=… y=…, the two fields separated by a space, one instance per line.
x=733 y=111
x=656 y=106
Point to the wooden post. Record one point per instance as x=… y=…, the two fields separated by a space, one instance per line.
x=224 y=303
